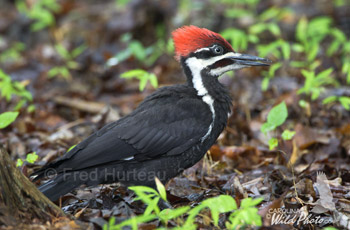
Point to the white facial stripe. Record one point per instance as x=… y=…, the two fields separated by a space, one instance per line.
x=210 y=61
x=220 y=70
x=196 y=67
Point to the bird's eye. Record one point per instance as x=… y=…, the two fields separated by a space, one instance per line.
x=218 y=50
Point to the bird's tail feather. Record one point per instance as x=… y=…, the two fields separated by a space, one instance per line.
x=59 y=186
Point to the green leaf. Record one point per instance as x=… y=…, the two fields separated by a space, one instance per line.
x=161 y=189
x=333 y=47
x=345 y=67
x=168 y=214
x=70 y=148
x=7 y=118
x=20 y=104
x=120 y=57
x=273 y=143
x=315 y=93
x=138 y=50
x=265 y=83
x=19 y=162
x=220 y=204
x=246 y=215
x=133 y=73
x=312 y=53
x=274 y=29
x=285 y=50
x=143 y=76
x=223 y=203
x=193 y=213
x=153 y=80
x=329 y=99
x=237 y=13
x=250 y=202
x=253 y=38
x=298 y=64
x=78 y=50
x=152 y=206
x=32 y=157
x=257 y=28
x=238 y=38
x=301 y=29
x=325 y=74
x=278 y=114
x=273 y=68
x=143 y=83
x=270 y=13
x=287 y=134
x=303 y=103
x=65 y=72
x=266 y=127
x=53 y=72
x=345 y=102
x=63 y=52
x=134 y=221
x=298 y=48
x=72 y=64
x=329 y=228
x=121 y=3
x=31 y=108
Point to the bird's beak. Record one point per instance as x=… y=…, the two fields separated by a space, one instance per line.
x=234 y=61
x=249 y=60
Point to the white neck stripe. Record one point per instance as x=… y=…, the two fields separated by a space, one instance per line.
x=210 y=101
x=196 y=67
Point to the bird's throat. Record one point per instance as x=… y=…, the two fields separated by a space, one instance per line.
x=195 y=69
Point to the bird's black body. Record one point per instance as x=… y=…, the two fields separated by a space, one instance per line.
x=168 y=132
x=163 y=135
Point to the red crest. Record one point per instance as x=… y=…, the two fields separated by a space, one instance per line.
x=188 y=39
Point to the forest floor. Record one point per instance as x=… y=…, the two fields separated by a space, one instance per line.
x=68 y=108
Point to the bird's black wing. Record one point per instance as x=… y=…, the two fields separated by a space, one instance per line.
x=166 y=124
x=172 y=126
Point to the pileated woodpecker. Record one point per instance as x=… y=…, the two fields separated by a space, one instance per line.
x=169 y=131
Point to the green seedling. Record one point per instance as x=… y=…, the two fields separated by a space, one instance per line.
x=10 y=90
x=31 y=158
x=239 y=38
x=314 y=84
x=344 y=101
x=276 y=117
x=247 y=214
x=309 y=35
x=68 y=59
x=146 y=55
x=12 y=54
x=143 y=76
x=41 y=12
x=239 y=9
x=268 y=75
